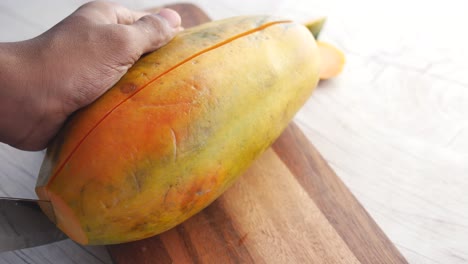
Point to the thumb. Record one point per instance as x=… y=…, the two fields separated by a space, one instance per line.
x=152 y=31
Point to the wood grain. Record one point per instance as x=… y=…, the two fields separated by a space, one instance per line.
x=289 y=207
x=334 y=199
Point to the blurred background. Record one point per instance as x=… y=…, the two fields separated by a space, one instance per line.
x=393 y=125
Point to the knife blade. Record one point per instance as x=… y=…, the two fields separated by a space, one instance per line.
x=24 y=225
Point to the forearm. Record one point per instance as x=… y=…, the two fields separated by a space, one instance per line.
x=12 y=93
x=21 y=105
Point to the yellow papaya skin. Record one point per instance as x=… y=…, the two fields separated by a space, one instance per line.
x=177 y=130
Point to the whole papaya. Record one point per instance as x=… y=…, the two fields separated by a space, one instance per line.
x=177 y=130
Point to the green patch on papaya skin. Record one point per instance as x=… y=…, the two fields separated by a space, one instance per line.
x=315 y=26
x=226 y=41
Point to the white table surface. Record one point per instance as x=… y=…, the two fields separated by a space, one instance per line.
x=393 y=126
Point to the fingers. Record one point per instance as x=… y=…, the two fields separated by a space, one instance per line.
x=109 y=13
x=171 y=16
x=147 y=31
x=153 y=31
x=126 y=16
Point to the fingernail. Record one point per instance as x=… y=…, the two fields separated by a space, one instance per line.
x=171 y=16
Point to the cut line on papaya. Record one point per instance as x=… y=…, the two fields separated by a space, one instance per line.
x=228 y=40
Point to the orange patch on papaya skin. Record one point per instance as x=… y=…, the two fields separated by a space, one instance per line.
x=128 y=88
x=200 y=191
x=228 y=40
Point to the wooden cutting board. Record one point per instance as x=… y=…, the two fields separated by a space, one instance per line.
x=290 y=207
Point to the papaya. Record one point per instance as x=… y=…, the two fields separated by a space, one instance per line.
x=177 y=129
x=315 y=26
x=332 y=60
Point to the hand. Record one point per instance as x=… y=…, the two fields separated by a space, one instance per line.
x=45 y=79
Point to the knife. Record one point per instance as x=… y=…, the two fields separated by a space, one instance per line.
x=24 y=225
